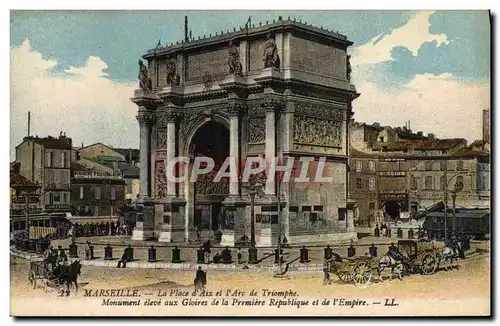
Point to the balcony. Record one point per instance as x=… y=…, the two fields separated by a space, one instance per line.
x=58 y=186
x=19 y=210
x=58 y=207
x=96 y=175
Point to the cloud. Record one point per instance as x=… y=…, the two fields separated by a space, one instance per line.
x=82 y=101
x=411 y=35
x=439 y=104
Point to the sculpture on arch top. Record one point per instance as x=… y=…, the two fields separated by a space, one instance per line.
x=271 y=57
x=144 y=80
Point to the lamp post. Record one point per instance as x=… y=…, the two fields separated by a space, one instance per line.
x=253 y=188
x=456 y=189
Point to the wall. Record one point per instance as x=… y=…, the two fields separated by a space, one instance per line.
x=313 y=57
x=214 y=62
x=24 y=156
x=330 y=195
x=104 y=207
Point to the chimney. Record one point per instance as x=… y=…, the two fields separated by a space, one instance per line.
x=186 y=29
x=431 y=136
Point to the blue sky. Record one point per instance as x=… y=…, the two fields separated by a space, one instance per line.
x=455 y=46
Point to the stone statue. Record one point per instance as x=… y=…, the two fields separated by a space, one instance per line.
x=271 y=58
x=144 y=80
x=234 y=63
x=348 y=68
x=173 y=77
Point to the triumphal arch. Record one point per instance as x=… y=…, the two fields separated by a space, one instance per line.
x=280 y=89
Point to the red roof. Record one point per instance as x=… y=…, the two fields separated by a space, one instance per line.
x=469 y=152
x=437 y=144
x=17 y=180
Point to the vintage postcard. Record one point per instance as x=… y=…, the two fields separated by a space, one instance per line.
x=250 y=163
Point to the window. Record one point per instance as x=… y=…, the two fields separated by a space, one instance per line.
x=443 y=165
x=460 y=179
x=359 y=166
x=113 y=193
x=81 y=192
x=359 y=184
x=460 y=165
x=371 y=206
x=96 y=210
x=413 y=183
x=50 y=159
x=97 y=193
x=442 y=182
x=63 y=160
x=371 y=184
x=429 y=165
x=342 y=214
x=371 y=165
x=428 y=183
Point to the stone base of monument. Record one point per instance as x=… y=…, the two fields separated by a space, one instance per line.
x=334 y=237
x=141 y=235
x=266 y=238
x=172 y=236
x=229 y=238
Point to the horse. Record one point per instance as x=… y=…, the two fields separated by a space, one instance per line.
x=451 y=251
x=68 y=274
x=388 y=261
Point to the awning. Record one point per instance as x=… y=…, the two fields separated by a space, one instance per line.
x=469 y=214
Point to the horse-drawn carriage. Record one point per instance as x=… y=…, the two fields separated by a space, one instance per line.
x=48 y=275
x=419 y=256
x=412 y=256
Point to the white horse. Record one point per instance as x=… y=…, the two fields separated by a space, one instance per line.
x=387 y=261
x=450 y=253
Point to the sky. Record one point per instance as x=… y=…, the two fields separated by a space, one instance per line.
x=76 y=70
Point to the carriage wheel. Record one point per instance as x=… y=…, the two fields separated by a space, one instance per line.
x=362 y=274
x=345 y=277
x=32 y=279
x=429 y=264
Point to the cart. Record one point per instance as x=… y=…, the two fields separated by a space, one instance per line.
x=358 y=270
x=421 y=256
x=40 y=275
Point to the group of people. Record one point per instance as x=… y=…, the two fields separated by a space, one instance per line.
x=53 y=258
x=102 y=229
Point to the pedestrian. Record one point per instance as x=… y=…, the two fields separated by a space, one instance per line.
x=88 y=251
x=326 y=276
x=123 y=261
x=240 y=256
x=207 y=249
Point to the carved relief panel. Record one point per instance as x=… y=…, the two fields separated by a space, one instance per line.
x=318 y=125
x=161 y=179
x=161 y=140
x=256 y=125
x=256 y=130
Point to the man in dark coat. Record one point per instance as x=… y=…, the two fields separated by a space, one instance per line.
x=207 y=249
x=201 y=275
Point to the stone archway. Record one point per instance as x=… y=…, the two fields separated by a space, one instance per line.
x=211 y=139
x=392 y=208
